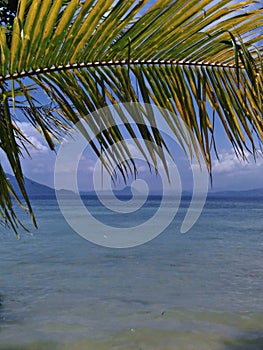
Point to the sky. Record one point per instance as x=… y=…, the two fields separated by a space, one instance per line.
x=229 y=173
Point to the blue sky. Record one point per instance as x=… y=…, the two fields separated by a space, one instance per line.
x=229 y=173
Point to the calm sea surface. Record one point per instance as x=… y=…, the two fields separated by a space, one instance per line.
x=202 y=290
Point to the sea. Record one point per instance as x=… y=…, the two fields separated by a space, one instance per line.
x=202 y=290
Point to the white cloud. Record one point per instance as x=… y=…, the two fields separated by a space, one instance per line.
x=228 y=162
x=229 y=172
x=34 y=137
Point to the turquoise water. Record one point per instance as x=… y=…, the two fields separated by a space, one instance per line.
x=202 y=290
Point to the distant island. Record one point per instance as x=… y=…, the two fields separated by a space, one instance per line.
x=254 y=193
x=37 y=190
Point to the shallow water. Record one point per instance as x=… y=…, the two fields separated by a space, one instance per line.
x=202 y=290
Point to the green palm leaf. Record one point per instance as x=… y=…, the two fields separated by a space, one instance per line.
x=198 y=59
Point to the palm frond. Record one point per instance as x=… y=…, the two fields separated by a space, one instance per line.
x=198 y=59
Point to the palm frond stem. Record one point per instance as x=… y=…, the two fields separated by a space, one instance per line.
x=111 y=63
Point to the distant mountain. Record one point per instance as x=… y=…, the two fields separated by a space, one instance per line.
x=126 y=192
x=35 y=189
x=254 y=193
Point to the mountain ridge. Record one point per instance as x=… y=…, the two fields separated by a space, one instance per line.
x=35 y=189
